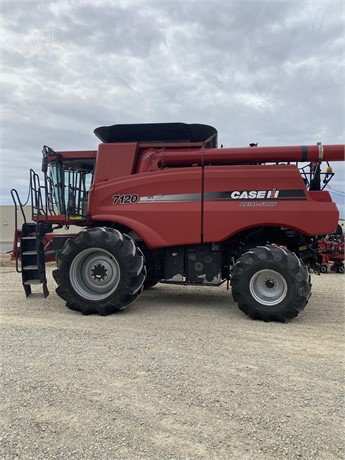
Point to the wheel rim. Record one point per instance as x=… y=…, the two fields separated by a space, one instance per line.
x=95 y=274
x=268 y=287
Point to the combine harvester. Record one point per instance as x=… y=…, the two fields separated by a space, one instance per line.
x=161 y=203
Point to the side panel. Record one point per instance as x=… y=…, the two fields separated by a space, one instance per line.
x=242 y=197
x=114 y=160
x=162 y=207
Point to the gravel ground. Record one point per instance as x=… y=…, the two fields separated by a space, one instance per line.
x=181 y=374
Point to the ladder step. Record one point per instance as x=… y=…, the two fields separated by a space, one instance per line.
x=33 y=256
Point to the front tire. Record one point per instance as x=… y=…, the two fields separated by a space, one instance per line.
x=270 y=283
x=99 y=271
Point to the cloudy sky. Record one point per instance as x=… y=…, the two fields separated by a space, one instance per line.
x=259 y=71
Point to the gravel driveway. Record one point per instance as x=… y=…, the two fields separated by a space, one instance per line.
x=181 y=374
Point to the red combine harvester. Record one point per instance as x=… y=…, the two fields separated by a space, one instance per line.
x=161 y=203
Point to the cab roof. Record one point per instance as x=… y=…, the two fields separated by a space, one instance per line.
x=158 y=132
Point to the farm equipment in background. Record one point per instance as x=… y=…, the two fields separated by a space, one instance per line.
x=161 y=203
x=331 y=248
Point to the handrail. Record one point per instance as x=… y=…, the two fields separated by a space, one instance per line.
x=36 y=196
x=17 y=205
x=42 y=204
x=50 y=197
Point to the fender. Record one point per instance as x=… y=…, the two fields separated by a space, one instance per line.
x=151 y=238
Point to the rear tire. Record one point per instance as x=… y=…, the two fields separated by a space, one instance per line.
x=271 y=284
x=99 y=271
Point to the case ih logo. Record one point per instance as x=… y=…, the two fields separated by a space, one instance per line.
x=254 y=194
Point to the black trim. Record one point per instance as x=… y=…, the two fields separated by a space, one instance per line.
x=283 y=195
x=291 y=193
x=296 y=194
x=304 y=153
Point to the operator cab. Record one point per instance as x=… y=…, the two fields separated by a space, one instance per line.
x=69 y=177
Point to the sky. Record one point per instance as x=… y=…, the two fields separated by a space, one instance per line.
x=261 y=71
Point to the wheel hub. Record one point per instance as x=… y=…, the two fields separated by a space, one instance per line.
x=268 y=287
x=99 y=272
x=95 y=274
x=270 y=284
